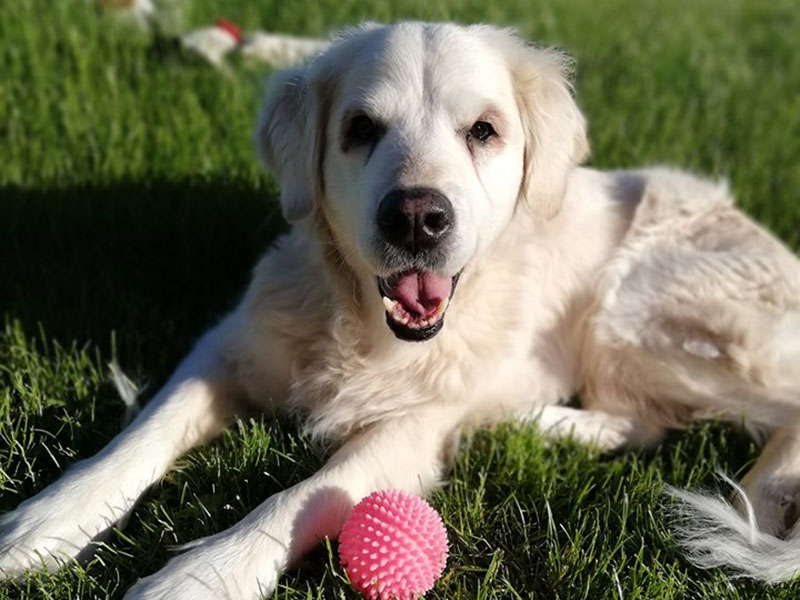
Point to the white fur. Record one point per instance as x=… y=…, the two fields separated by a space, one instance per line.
x=599 y=429
x=715 y=534
x=645 y=291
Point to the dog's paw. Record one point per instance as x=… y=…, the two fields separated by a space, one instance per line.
x=610 y=432
x=773 y=502
x=55 y=526
x=602 y=430
x=37 y=536
x=222 y=566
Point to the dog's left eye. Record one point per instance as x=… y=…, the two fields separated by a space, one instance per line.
x=482 y=131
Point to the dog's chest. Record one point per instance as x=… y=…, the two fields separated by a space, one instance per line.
x=342 y=387
x=488 y=369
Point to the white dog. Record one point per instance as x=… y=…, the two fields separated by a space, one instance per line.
x=451 y=266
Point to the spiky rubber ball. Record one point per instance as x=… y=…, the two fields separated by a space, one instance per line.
x=393 y=546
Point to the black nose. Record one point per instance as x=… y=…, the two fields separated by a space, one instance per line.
x=415 y=219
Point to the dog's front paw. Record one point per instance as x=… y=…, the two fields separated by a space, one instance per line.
x=41 y=532
x=57 y=525
x=222 y=566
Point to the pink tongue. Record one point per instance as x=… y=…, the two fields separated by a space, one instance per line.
x=422 y=292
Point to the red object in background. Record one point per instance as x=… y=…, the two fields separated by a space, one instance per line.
x=231 y=28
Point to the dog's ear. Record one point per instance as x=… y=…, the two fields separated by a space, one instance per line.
x=555 y=130
x=290 y=139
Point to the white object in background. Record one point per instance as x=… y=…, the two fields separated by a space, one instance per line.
x=140 y=10
x=281 y=50
x=213 y=43
x=128 y=391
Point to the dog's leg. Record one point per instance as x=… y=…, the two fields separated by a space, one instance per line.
x=244 y=562
x=605 y=431
x=773 y=484
x=97 y=493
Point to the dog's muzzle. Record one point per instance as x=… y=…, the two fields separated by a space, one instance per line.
x=416 y=224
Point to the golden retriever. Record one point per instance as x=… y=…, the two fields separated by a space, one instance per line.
x=450 y=265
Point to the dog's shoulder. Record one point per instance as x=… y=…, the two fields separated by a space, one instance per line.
x=285 y=310
x=290 y=277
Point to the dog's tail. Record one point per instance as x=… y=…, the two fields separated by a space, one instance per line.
x=714 y=534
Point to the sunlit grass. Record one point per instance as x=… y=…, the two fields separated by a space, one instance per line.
x=132 y=209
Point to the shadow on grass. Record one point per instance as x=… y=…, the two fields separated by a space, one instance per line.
x=153 y=262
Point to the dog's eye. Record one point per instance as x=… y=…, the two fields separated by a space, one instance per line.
x=482 y=131
x=361 y=131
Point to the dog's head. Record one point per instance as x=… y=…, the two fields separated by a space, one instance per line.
x=415 y=143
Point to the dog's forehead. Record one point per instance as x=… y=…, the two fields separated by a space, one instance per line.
x=428 y=65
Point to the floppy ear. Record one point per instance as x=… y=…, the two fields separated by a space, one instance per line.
x=555 y=130
x=290 y=139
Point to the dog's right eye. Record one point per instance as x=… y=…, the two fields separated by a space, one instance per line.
x=361 y=131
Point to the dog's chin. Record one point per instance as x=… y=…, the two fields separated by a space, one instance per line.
x=416 y=302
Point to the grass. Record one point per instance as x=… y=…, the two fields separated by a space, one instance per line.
x=132 y=209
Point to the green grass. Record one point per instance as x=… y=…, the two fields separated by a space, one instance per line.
x=132 y=209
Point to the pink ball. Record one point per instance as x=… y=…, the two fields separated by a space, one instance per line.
x=393 y=546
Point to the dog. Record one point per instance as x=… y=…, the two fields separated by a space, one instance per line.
x=450 y=265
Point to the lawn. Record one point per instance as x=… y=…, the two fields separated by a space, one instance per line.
x=132 y=209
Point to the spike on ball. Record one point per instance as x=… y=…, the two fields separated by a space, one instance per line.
x=393 y=546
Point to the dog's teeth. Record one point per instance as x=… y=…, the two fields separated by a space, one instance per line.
x=389 y=304
x=404 y=321
x=442 y=306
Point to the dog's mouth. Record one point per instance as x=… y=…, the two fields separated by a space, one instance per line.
x=415 y=302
